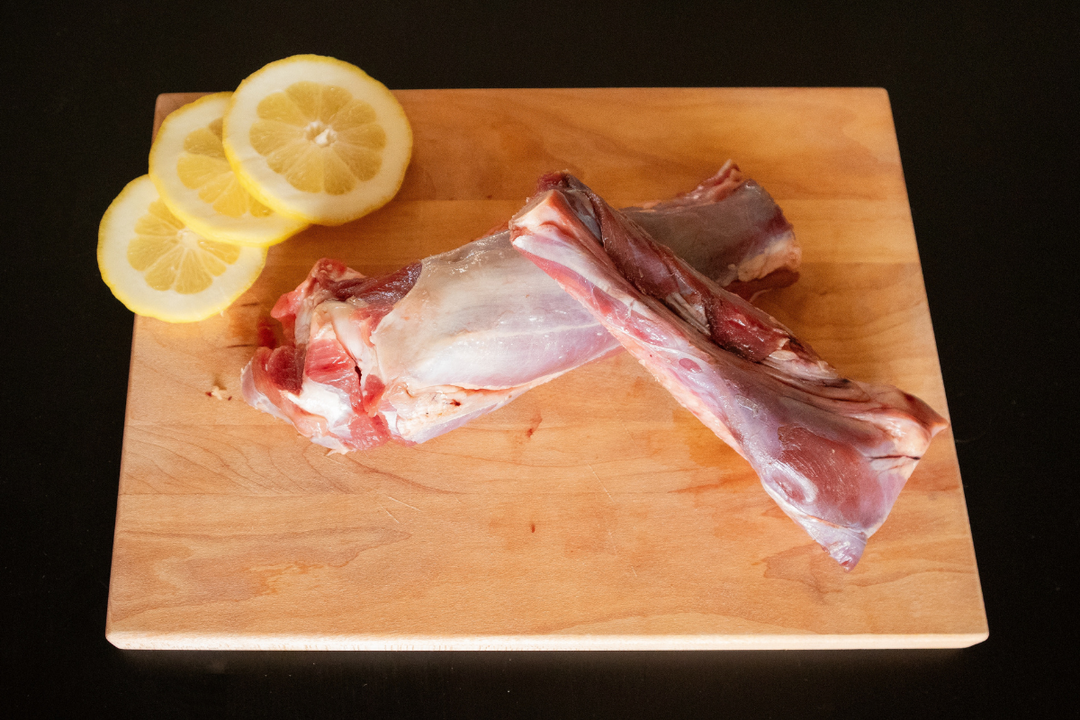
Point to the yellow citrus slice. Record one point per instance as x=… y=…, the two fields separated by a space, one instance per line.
x=196 y=182
x=317 y=139
x=158 y=267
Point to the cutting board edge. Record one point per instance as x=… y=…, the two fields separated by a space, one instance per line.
x=134 y=640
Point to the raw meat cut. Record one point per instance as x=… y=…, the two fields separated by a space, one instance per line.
x=750 y=244
x=425 y=350
x=833 y=453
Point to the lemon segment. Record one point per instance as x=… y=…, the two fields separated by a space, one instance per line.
x=159 y=267
x=196 y=182
x=317 y=139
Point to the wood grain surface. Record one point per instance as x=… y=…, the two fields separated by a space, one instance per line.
x=594 y=512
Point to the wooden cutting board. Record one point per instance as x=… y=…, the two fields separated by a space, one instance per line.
x=594 y=512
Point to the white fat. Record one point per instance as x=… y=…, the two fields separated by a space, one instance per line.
x=433 y=411
x=693 y=314
x=792 y=364
x=323 y=401
x=347 y=332
x=761 y=265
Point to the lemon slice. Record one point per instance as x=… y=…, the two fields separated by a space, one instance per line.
x=189 y=169
x=158 y=267
x=317 y=139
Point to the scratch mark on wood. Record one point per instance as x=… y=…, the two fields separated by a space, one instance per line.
x=389 y=513
x=614 y=547
x=403 y=503
x=601 y=483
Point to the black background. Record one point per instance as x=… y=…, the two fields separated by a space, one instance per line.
x=984 y=101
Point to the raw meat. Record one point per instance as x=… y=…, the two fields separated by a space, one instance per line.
x=750 y=247
x=833 y=453
x=425 y=350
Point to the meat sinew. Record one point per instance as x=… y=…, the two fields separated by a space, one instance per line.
x=833 y=453
x=425 y=350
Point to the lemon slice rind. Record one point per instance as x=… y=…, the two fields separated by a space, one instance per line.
x=271 y=188
x=130 y=286
x=185 y=202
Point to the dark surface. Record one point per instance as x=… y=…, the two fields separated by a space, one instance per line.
x=984 y=105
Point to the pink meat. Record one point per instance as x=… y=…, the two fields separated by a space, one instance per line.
x=312 y=381
x=833 y=453
x=422 y=351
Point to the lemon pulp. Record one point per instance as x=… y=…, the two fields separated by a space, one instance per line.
x=190 y=170
x=158 y=267
x=171 y=257
x=202 y=167
x=317 y=139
